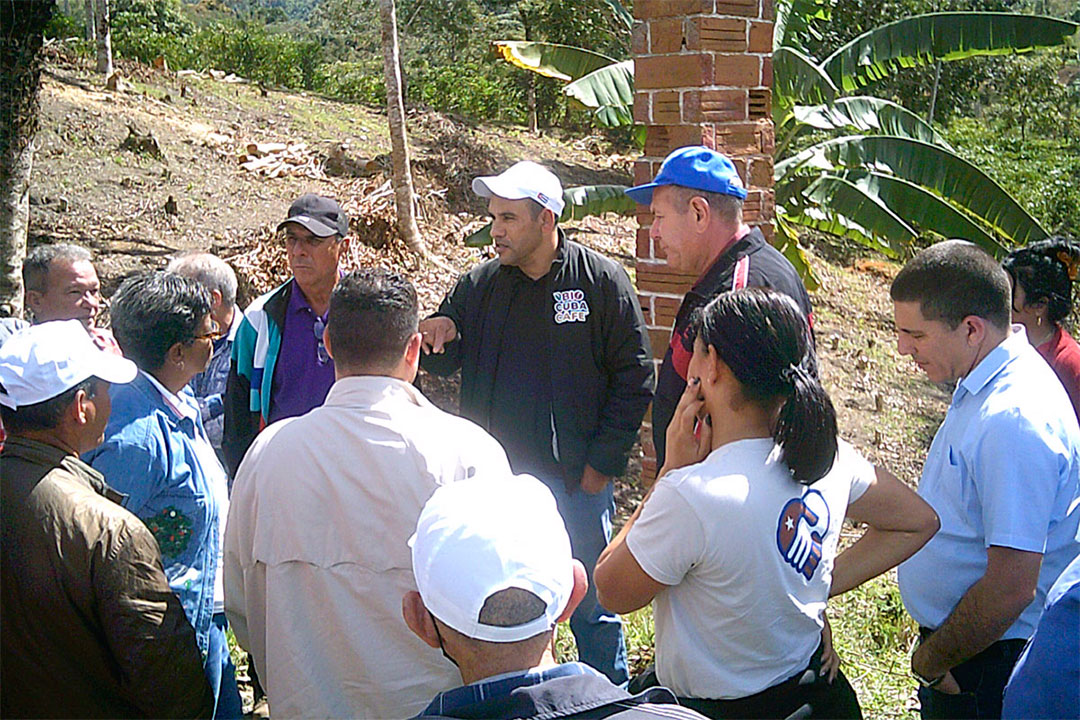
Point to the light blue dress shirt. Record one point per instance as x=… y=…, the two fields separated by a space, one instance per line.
x=1002 y=470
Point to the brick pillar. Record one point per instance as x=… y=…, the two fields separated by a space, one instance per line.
x=703 y=73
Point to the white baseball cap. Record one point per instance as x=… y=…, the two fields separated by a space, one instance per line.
x=479 y=536
x=525 y=179
x=42 y=361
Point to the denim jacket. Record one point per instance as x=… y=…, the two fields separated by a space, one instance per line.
x=148 y=455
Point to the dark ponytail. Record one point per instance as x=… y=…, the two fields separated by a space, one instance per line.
x=1046 y=270
x=763 y=337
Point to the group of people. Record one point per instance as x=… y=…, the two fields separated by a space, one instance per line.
x=278 y=470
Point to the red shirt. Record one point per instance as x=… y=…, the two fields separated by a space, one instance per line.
x=1063 y=354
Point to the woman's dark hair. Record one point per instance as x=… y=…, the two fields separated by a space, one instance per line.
x=45 y=415
x=765 y=340
x=153 y=311
x=1046 y=270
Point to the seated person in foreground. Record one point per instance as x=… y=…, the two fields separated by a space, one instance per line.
x=494 y=571
x=737 y=540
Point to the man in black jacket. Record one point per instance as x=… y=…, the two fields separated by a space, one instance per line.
x=494 y=575
x=556 y=364
x=696 y=201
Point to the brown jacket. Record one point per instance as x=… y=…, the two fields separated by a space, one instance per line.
x=88 y=625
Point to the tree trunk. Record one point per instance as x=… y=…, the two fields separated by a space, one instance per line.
x=933 y=93
x=104 y=38
x=401 y=176
x=91 y=19
x=20 y=67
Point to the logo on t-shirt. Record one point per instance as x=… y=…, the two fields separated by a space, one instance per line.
x=802 y=526
x=570 y=306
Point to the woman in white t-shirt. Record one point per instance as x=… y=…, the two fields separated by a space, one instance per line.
x=736 y=542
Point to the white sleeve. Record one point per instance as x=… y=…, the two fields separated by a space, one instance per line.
x=860 y=470
x=667 y=539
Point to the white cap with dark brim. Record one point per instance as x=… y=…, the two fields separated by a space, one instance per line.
x=42 y=361
x=479 y=536
x=522 y=180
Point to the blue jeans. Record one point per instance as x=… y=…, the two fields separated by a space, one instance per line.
x=221 y=673
x=598 y=632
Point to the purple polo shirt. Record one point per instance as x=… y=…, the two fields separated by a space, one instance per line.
x=301 y=382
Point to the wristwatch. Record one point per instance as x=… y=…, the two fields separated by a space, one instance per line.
x=928 y=682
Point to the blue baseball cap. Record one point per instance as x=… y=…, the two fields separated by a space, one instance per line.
x=696 y=167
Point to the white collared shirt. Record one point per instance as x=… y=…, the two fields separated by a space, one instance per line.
x=317 y=559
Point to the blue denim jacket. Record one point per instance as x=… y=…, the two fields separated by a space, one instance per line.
x=149 y=456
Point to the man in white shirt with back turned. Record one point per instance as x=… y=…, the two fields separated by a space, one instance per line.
x=316 y=560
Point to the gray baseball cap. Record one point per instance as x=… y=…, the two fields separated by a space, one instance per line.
x=322 y=216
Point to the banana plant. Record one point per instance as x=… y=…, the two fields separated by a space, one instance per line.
x=581 y=201
x=596 y=82
x=878 y=173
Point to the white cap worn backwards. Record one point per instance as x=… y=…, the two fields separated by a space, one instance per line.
x=42 y=361
x=479 y=536
x=523 y=180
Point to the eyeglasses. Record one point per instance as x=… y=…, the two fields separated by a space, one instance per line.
x=320 y=348
x=215 y=332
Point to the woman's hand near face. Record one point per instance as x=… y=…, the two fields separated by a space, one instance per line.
x=689 y=435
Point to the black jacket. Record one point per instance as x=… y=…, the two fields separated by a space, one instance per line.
x=579 y=697
x=749 y=262
x=600 y=372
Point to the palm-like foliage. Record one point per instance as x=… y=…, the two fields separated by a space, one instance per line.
x=878 y=173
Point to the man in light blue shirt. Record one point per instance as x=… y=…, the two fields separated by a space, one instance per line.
x=1002 y=474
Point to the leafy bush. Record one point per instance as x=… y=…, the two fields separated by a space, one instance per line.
x=468 y=89
x=63 y=26
x=1042 y=173
x=358 y=82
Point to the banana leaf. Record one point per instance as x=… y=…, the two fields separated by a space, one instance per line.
x=796 y=19
x=836 y=196
x=610 y=86
x=798 y=79
x=788 y=244
x=562 y=62
x=869 y=115
x=596 y=200
x=924 y=208
x=924 y=39
x=934 y=168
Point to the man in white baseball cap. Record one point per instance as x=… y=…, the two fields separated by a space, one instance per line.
x=555 y=363
x=494 y=574
x=84 y=603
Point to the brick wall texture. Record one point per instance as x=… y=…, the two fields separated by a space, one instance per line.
x=703 y=76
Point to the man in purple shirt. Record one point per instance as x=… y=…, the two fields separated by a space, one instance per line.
x=280 y=367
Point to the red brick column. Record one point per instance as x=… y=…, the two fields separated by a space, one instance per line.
x=703 y=73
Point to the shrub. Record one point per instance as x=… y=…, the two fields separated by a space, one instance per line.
x=358 y=82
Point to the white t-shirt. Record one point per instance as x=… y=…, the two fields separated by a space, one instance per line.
x=748 y=553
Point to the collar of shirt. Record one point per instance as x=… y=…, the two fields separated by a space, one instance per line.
x=176 y=403
x=743 y=243
x=229 y=337
x=992 y=364
x=364 y=390
x=500 y=685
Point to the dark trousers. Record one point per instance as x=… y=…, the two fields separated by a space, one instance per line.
x=806 y=694
x=982 y=681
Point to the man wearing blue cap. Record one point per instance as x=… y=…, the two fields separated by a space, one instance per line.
x=696 y=201
x=556 y=364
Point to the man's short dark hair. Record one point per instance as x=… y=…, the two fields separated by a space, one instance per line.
x=153 y=311
x=952 y=280
x=35 y=269
x=373 y=314
x=511 y=607
x=46 y=414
